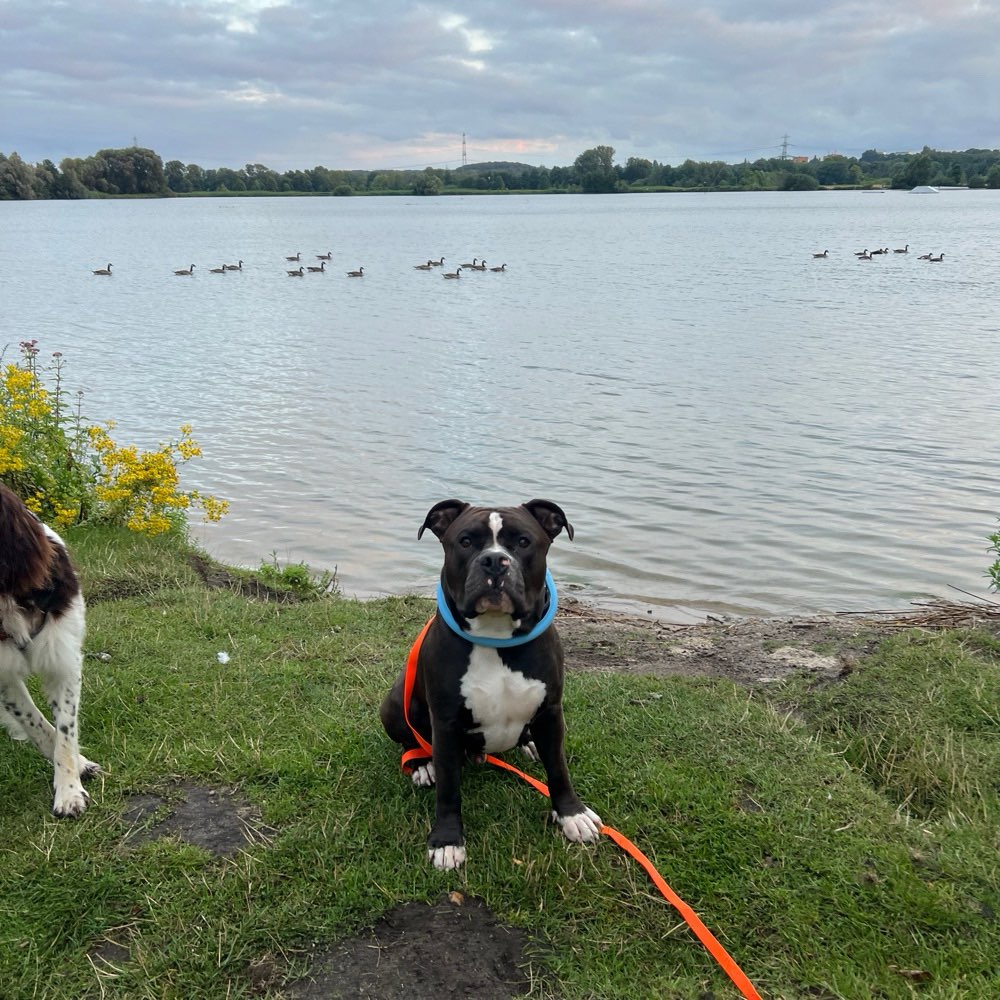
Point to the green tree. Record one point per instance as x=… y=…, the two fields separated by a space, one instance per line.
x=993 y=176
x=595 y=170
x=918 y=171
x=130 y=171
x=176 y=177
x=196 y=177
x=799 y=180
x=261 y=178
x=834 y=170
x=636 y=169
x=427 y=183
x=16 y=178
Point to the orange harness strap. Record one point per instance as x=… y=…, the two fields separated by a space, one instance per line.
x=704 y=935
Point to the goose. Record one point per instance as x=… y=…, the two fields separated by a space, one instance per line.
x=823 y=254
x=317 y=270
x=103 y=270
x=905 y=249
x=862 y=253
x=234 y=267
x=937 y=259
x=423 y=267
x=866 y=256
x=886 y=250
x=218 y=270
x=452 y=274
x=438 y=263
x=481 y=266
x=359 y=273
x=475 y=261
x=325 y=256
x=296 y=258
x=502 y=267
x=186 y=273
x=925 y=256
x=296 y=274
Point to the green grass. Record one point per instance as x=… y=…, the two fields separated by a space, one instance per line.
x=840 y=842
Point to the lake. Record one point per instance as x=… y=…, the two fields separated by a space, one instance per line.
x=732 y=425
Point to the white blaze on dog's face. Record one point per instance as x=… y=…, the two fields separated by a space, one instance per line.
x=497 y=598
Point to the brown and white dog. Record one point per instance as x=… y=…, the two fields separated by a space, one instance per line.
x=41 y=633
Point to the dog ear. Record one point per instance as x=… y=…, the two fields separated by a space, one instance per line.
x=26 y=553
x=441 y=515
x=550 y=517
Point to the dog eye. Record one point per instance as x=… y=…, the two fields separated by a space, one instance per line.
x=465 y=541
x=524 y=541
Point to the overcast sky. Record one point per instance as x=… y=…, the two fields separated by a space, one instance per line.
x=390 y=84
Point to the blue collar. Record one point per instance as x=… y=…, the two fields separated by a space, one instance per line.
x=517 y=640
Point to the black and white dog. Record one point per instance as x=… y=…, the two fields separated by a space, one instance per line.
x=41 y=632
x=489 y=674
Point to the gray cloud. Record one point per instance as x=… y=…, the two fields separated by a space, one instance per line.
x=307 y=82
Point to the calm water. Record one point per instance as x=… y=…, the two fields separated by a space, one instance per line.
x=730 y=424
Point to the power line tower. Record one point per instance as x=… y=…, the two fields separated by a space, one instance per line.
x=465 y=158
x=784 y=146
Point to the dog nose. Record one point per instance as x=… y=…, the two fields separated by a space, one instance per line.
x=496 y=563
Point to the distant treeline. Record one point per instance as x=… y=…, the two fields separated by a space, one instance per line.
x=138 y=171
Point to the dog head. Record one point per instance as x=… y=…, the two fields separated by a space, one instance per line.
x=495 y=557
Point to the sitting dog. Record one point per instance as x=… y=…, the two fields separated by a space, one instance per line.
x=41 y=632
x=489 y=673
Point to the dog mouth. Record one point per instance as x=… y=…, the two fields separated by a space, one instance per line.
x=494 y=597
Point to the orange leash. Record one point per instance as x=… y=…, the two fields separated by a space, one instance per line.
x=704 y=935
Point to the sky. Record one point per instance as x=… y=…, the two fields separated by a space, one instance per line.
x=294 y=84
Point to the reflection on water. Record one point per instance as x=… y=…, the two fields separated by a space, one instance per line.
x=730 y=424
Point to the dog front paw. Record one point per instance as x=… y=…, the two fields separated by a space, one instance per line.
x=447 y=858
x=580 y=827
x=70 y=802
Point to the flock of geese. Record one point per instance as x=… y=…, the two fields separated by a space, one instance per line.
x=476 y=265
x=320 y=268
x=867 y=254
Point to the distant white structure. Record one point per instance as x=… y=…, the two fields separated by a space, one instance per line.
x=924 y=189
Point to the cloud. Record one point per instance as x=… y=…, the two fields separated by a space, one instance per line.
x=306 y=82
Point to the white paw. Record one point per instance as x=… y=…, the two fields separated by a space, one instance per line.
x=530 y=750
x=446 y=858
x=70 y=802
x=423 y=776
x=585 y=826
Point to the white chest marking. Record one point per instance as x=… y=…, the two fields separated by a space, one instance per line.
x=502 y=701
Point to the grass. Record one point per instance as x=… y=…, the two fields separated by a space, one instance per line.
x=841 y=842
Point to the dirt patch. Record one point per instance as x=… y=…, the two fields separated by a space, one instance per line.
x=456 y=948
x=217 y=819
x=216 y=576
x=748 y=651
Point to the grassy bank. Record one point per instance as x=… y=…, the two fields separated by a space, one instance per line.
x=840 y=841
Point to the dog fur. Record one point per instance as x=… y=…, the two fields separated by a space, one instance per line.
x=42 y=624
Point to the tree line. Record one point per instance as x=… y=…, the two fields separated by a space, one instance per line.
x=138 y=171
